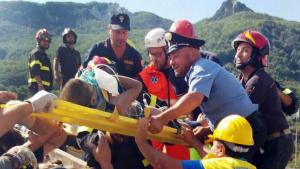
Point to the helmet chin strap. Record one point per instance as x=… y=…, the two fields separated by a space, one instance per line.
x=251 y=61
x=166 y=59
x=43 y=48
x=70 y=43
x=242 y=66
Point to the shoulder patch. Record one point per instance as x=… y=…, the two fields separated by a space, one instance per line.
x=154 y=79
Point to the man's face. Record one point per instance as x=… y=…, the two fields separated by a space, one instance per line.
x=181 y=60
x=70 y=38
x=217 y=149
x=157 y=57
x=118 y=37
x=44 y=44
x=243 y=53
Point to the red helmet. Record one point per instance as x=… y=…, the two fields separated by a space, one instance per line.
x=184 y=28
x=182 y=34
x=256 y=40
x=42 y=34
x=100 y=62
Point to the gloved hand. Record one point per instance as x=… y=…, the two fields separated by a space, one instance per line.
x=42 y=101
x=25 y=155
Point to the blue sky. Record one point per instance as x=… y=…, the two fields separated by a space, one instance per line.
x=195 y=10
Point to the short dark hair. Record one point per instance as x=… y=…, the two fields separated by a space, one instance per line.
x=78 y=92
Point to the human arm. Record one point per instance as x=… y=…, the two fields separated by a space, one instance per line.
x=57 y=68
x=285 y=99
x=156 y=158
x=6 y=96
x=102 y=152
x=288 y=98
x=46 y=133
x=13 y=114
x=189 y=136
x=35 y=69
x=10 y=115
x=289 y=101
x=78 y=61
x=39 y=82
x=133 y=89
x=186 y=104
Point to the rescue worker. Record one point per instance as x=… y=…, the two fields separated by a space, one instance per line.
x=231 y=139
x=40 y=70
x=67 y=59
x=44 y=135
x=211 y=87
x=155 y=76
x=115 y=48
x=181 y=86
x=155 y=79
x=98 y=89
x=252 y=49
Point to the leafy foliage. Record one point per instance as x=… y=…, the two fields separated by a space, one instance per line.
x=20 y=20
x=284 y=37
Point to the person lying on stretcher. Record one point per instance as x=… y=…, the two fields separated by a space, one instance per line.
x=100 y=88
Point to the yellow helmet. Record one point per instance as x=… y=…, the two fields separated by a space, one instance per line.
x=233 y=129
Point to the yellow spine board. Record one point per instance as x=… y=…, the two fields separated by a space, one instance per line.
x=75 y=114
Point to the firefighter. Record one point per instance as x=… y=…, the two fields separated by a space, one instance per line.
x=40 y=71
x=67 y=59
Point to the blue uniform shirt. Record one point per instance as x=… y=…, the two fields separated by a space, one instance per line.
x=224 y=95
x=192 y=164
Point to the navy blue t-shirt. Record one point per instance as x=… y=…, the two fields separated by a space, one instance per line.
x=129 y=65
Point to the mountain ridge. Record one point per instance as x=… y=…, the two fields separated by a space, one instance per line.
x=20 y=20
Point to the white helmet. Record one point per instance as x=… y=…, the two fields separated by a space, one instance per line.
x=155 y=38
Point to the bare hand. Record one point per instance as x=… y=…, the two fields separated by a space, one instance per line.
x=201 y=132
x=58 y=81
x=102 y=152
x=202 y=120
x=142 y=129
x=6 y=96
x=37 y=139
x=156 y=124
x=187 y=134
x=154 y=111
